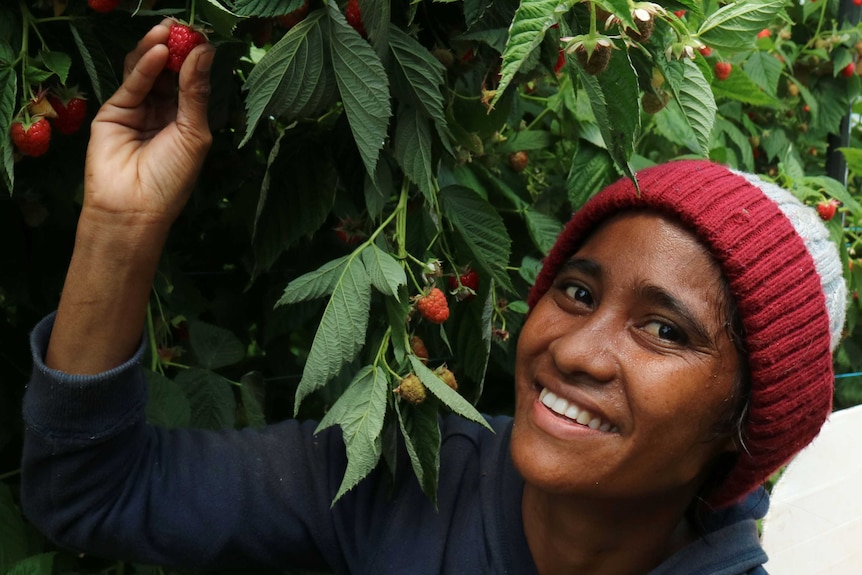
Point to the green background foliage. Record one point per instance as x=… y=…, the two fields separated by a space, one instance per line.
x=350 y=173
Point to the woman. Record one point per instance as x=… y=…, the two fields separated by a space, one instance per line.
x=677 y=352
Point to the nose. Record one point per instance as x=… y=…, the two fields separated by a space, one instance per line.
x=589 y=348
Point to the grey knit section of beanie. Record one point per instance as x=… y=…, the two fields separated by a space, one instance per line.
x=815 y=236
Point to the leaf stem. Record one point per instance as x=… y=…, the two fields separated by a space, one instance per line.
x=9 y=474
x=155 y=364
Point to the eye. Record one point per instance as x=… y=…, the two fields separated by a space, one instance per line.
x=666 y=332
x=579 y=293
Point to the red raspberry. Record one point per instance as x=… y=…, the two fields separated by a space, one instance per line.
x=70 y=113
x=181 y=42
x=518 y=161
x=765 y=33
x=354 y=17
x=466 y=285
x=705 y=51
x=826 y=209
x=103 y=5
x=32 y=137
x=722 y=70
x=848 y=70
x=433 y=306
x=290 y=20
x=679 y=13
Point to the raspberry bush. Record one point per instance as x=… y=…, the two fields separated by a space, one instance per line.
x=363 y=154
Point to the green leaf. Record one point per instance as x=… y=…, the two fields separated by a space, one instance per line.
x=96 y=61
x=384 y=271
x=363 y=85
x=266 y=8
x=252 y=391
x=738 y=86
x=213 y=346
x=764 y=69
x=421 y=430
x=591 y=170
x=222 y=20
x=360 y=412
x=315 y=284
x=296 y=196
x=526 y=33
x=740 y=141
x=210 y=397
x=692 y=92
x=8 y=90
x=734 y=26
x=543 y=229
x=451 y=398
x=527 y=140
x=412 y=149
x=613 y=99
x=341 y=332
x=481 y=228
x=836 y=189
x=41 y=564
x=13 y=531
x=470 y=328
x=167 y=404
x=57 y=62
x=291 y=80
x=853 y=156
x=417 y=77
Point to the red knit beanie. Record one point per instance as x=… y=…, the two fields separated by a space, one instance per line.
x=786 y=277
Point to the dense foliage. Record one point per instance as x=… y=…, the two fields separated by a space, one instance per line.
x=369 y=152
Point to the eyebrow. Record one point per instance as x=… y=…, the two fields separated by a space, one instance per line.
x=656 y=295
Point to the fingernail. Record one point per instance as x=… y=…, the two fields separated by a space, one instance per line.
x=205 y=61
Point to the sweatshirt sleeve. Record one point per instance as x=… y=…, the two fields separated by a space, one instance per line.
x=97 y=478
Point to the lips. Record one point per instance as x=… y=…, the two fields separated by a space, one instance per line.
x=574 y=413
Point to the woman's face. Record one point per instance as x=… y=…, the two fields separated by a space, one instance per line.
x=625 y=368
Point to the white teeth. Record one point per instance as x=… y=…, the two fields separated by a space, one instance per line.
x=582 y=416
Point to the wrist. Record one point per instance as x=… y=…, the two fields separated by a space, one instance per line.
x=120 y=238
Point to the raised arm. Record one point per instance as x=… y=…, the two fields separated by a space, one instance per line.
x=147 y=145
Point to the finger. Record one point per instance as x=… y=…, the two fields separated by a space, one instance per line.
x=141 y=79
x=194 y=84
x=158 y=34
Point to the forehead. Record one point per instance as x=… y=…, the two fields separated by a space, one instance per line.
x=648 y=247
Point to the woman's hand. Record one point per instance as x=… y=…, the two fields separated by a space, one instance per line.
x=149 y=140
x=147 y=145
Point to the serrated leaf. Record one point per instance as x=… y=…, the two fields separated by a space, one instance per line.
x=222 y=20
x=591 y=170
x=167 y=403
x=214 y=346
x=694 y=96
x=853 y=157
x=470 y=328
x=738 y=86
x=481 y=228
x=740 y=141
x=451 y=398
x=318 y=283
x=527 y=31
x=266 y=8
x=734 y=26
x=473 y=11
x=40 y=564
x=210 y=397
x=360 y=412
x=417 y=75
x=384 y=271
x=96 y=62
x=296 y=196
x=376 y=17
x=291 y=80
x=58 y=63
x=421 y=430
x=252 y=395
x=341 y=332
x=613 y=99
x=543 y=229
x=13 y=531
x=412 y=149
x=527 y=140
x=764 y=69
x=836 y=189
x=363 y=85
x=8 y=90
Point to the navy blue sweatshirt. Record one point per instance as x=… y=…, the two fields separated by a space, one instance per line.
x=98 y=479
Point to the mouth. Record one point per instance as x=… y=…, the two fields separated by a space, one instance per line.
x=575 y=413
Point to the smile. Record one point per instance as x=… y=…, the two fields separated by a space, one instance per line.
x=574 y=413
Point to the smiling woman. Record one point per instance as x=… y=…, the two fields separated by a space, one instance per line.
x=677 y=352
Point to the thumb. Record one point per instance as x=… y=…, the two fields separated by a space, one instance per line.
x=194 y=90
